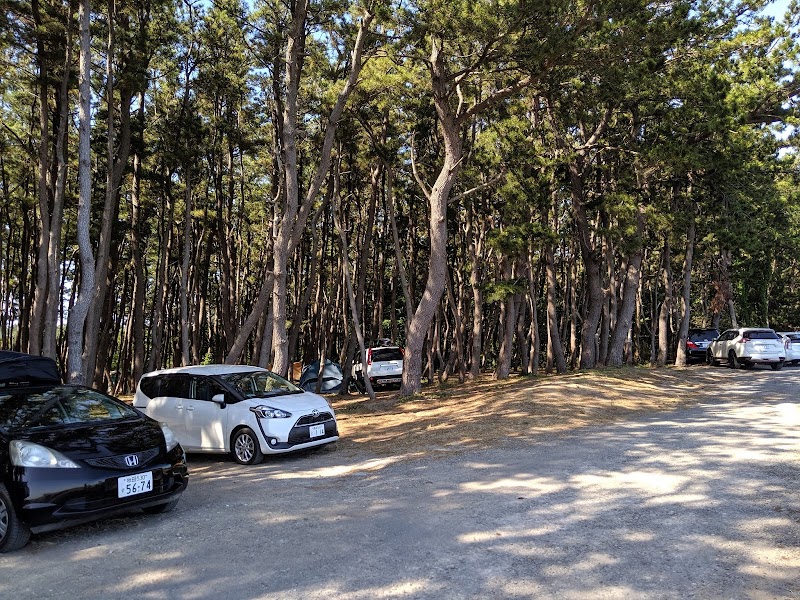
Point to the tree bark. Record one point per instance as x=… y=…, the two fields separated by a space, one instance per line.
x=624 y=321
x=686 y=296
x=77 y=315
x=666 y=305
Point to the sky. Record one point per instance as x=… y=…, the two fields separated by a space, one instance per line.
x=777 y=8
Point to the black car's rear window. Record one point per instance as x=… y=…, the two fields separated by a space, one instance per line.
x=379 y=354
x=58 y=406
x=703 y=335
x=761 y=335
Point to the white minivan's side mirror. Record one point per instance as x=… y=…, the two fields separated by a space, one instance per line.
x=219 y=399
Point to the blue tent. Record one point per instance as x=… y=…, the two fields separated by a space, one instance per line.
x=331 y=377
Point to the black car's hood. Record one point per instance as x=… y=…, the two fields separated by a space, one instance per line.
x=98 y=440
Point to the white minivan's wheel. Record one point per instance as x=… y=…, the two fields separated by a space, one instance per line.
x=245 y=447
x=14 y=534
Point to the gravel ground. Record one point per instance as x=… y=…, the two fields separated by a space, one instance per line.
x=698 y=502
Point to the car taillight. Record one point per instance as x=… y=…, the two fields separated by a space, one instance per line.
x=745 y=340
x=786 y=344
x=691 y=344
x=402 y=352
x=369 y=356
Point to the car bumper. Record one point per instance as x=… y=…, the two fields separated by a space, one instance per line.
x=381 y=380
x=52 y=498
x=279 y=437
x=762 y=359
x=697 y=354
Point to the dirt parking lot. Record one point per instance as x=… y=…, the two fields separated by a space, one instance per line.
x=630 y=483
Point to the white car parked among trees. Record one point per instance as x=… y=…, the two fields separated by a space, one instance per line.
x=747 y=347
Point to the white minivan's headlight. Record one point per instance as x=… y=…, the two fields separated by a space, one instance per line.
x=267 y=412
x=28 y=454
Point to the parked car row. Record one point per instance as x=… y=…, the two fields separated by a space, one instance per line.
x=746 y=347
x=70 y=453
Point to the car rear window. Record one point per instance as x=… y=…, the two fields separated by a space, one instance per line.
x=705 y=335
x=795 y=337
x=761 y=335
x=381 y=354
x=59 y=406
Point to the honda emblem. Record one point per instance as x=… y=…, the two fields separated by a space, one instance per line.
x=132 y=460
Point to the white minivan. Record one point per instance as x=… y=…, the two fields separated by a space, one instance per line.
x=247 y=411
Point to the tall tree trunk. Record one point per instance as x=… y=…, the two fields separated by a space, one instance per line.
x=155 y=361
x=555 y=350
x=40 y=288
x=54 y=245
x=686 y=296
x=624 y=321
x=137 y=258
x=666 y=305
x=117 y=159
x=185 y=262
x=508 y=321
x=294 y=216
x=77 y=315
x=437 y=262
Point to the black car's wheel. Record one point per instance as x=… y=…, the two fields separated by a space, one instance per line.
x=162 y=508
x=245 y=448
x=14 y=534
x=777 y=366
x=733 y=360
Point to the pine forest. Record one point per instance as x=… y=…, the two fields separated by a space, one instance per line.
x=498 y=186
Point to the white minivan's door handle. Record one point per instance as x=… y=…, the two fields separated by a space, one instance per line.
x=190 y=407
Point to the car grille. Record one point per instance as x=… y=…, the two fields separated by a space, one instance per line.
x=104 y=495
x=119 y=462
x=312 y=420
x=299 y=435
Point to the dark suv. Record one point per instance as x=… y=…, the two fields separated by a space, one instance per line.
x=697 y=342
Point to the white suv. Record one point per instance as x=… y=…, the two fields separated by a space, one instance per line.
x=747 y=347
x=384 y=367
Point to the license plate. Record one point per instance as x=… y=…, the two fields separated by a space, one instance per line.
x=134 y=484
x=316 y=430
x=391 y=380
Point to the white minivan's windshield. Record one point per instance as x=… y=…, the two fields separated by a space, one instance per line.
x=260 y=384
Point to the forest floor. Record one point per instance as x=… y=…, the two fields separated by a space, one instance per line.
x=486 y=412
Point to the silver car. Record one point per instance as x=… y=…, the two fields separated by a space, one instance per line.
x=747 y=347
x=791 y=342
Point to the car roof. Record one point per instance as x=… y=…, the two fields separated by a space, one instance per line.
x=206 y=370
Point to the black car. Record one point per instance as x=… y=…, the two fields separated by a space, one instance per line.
x=70 y=454
x=697 y=343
